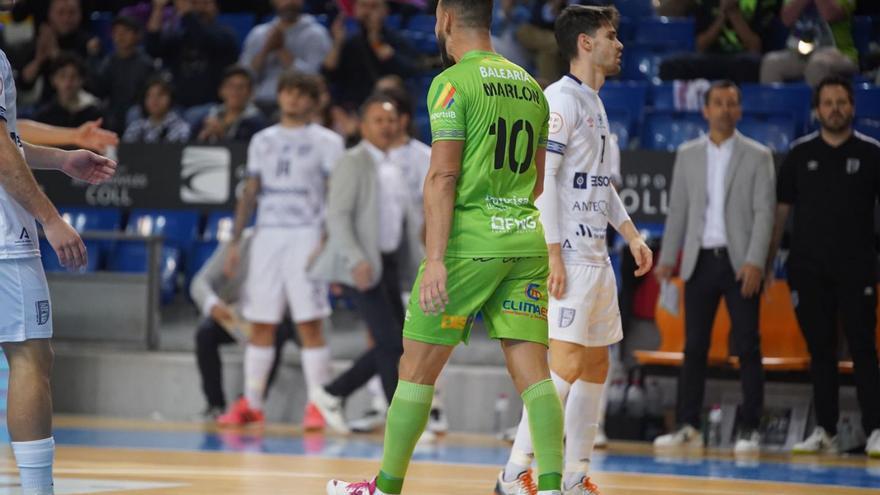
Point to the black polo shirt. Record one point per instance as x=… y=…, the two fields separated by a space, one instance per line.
x=833 y=192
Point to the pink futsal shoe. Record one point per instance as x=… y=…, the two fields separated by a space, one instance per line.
x=241 y=414
x=336 y=487
x=313 y=420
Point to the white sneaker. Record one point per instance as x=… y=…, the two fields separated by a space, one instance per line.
x=873 y=447
x=585 y=487
x=687 y=436
x=601 y=440
x=524 y=484
x=749 y=442
x=336 y=487
x=331 y=409
x=437 y=422
x=817 y=443
x=371 y=421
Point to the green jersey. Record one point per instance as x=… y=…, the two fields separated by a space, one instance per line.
x=500 y=113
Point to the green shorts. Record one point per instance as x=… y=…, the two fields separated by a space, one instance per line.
x=511 y=293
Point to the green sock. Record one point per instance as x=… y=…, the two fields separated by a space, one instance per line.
x=407 y=417
x=545 y=424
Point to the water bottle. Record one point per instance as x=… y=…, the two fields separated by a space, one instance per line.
x=635 y=400
x=616 y=392
x=714 y=431
x=502 y=403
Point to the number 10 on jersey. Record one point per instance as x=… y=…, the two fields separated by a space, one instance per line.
x=505 y=146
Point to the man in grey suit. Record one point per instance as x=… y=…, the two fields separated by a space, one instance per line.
x=368 y=215
x=216 y=295
x=721 y=212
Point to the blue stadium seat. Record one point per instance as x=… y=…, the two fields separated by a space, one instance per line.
x=777 y=133
x=661 y=96
x=635 y=8
x=84 y=218
x=423 y=124
x=179 y=227
x=626 y=30
x=393 y=21
x=219 y=226
x=621 y=131
x=52 y=264
x=664 y=130
x=629 y=97
x=792 y=100
x=425 y=43
x=861 y=32
x=131 y=257
x=867 y=101
x=642 y=63
x=423 y=23
x=240 y=22
x=870 y=127
x=668 y=32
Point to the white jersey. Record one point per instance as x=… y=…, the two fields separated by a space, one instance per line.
x=293 y=166
x=18 y=229
x=586 y=199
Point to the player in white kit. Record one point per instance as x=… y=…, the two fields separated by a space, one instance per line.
x=578 y=203
x=288 y=166
x=25 y=307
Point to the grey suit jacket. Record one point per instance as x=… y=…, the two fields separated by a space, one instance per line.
x=749 y=205
x=353 y=221
x=210 y=282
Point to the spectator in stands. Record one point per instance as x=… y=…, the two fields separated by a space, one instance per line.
x=61 y=33
x=71 y=106
x=368 y=214
x=160 y=123
x=120 y=74
x=721 y=210
x=293 y=40
x=831 y=180
x=236 y=118
x=217 y=296
x=357 y=60
x=820 y=43
x=195 y=48
x=730 y=36
x=537 y=37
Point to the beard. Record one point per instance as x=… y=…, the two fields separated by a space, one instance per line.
x=839 y=125
x=445 y=58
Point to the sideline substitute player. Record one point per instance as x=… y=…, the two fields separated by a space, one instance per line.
x=288 y=164
x=26 y=325
x=489 y=127
x=578 y=203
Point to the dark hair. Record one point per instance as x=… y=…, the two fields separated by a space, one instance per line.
x=833 y=81
x=471 y=13
x=237 y=70
x=376 y=99
x=65 y=59
x=581 y=19
x=164 y=81
x=304 y=83
x=722 y=84
x=128 y=22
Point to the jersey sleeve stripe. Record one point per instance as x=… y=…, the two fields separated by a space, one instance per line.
x=447 y=134
x=555 y=147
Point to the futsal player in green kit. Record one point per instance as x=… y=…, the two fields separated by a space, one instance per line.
x=485 y=249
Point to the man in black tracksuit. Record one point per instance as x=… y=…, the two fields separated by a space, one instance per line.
x=831 y=178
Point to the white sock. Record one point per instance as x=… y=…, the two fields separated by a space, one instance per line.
x=581 y=424
x=316 y=367
x=257 y=364
x=522 y=444
x=34 y=461
x=378 y=401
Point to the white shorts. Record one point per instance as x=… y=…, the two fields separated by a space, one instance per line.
x=589 y=314
x=25 y=307
x=277 y=280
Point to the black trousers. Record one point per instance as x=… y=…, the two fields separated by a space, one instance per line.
x=741 y=68
x=209 y=337
x=382 y=309
x=713 y=279
x=821 y=295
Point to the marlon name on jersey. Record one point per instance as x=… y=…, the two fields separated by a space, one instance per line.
x=509 y=90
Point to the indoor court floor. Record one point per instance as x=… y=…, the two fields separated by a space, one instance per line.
x=142 y=457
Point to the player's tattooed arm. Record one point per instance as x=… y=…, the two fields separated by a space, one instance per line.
x=243 y=211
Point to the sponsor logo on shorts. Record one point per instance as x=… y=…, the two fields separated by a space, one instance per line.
x=455 y=322
x=42 y=312
x=524 y=308
x=533 y=293
x=566 y=317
